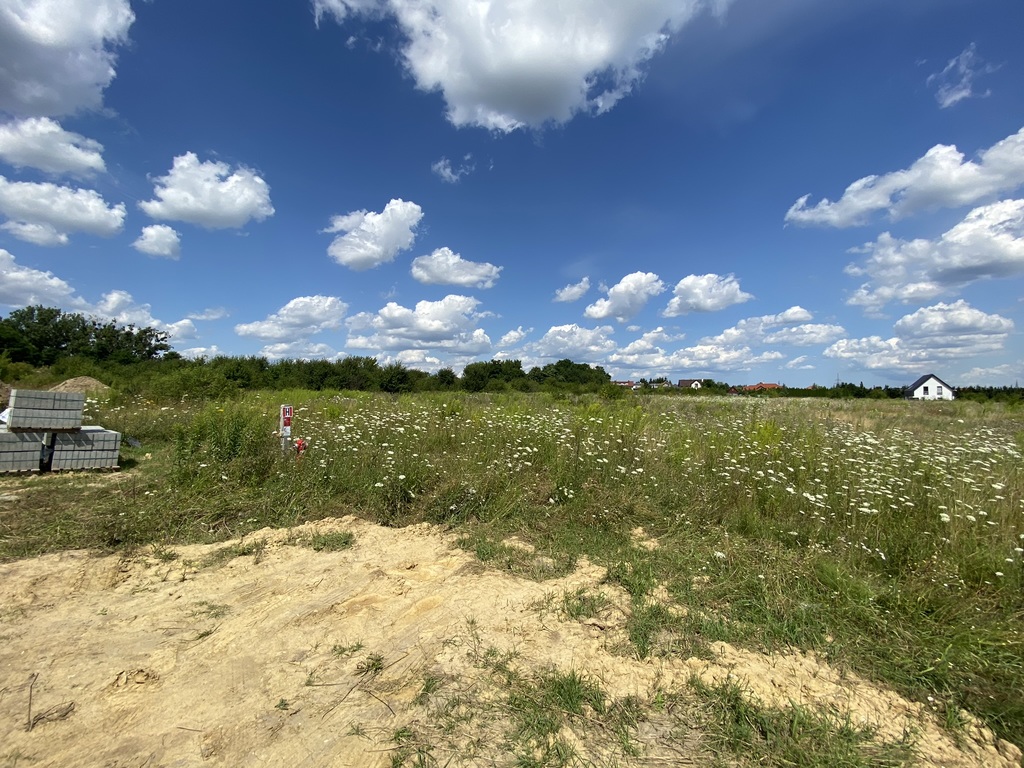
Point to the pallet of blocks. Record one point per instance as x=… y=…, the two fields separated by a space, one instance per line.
x=89 y=448
x=20 y=451
x=45 y=411
x=43 y=432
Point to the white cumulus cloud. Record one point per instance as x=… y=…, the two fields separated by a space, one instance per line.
x=627 y=297
x=22 y=286
x=444 y=267
x=39 y=142
x=988 y=243
x=942 y=178
x=299 y=319
x=576 y=343
x=705 y=293
x=210 y=194
x=159 y=240
x=513 y=337
x=45 y=213
x=370 y=239
x=449 y=324
x=941 y=333
x=121 y=307
x=509 y=64
x=57 y=56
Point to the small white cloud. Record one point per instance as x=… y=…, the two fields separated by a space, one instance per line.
x=214 y=313
x=513 y=337
x=56 y=57
x=705 y=293
x=627 y=297
x=573 y=291
x=444 y=267
x=942 y=178
x=210 y=194
x=41 y=143
x=159 y=240
x=444 y=170
x=44 y=213
x=371 y=239
x=37 y=234
x=299 y=319
x=956 y=81
x=799 y=364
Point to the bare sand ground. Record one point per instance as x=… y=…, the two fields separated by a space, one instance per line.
x=267 y=660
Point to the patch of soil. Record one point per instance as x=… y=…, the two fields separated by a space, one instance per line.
x=80 y=384
x=289 y=656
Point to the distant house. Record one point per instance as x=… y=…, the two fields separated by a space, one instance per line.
x=761 y=386
x=929 y=387
x=690 y=384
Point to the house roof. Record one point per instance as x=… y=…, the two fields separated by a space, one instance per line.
x=925 y=378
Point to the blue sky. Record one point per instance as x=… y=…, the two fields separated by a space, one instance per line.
x=794 y=191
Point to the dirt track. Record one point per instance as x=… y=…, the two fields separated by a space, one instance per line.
x=263 y=660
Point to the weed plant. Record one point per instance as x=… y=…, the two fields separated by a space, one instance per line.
x=886 y=535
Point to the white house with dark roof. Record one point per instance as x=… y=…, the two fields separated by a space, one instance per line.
x=929 y=387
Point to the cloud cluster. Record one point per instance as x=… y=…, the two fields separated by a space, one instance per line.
x=210 y=194
x=299 y=319
x=56 y=56
x=444 y=267
x=39 y=142
x=988 y=243
x=449 y=324
x=940 y=333
x=370 y=239
x=941 y=178
x=22 y=286
x=46 y=213
x=510 y=64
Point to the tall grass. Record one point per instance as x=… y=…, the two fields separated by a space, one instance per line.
x=886 y=535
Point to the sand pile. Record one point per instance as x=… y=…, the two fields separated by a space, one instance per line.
x=289 y=656
x=80 y=384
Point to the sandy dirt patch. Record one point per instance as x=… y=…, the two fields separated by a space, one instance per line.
x=288 y=656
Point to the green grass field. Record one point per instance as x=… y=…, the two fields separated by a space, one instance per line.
x=887 y=536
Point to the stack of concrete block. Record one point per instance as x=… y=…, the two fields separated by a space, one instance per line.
x=20 y=451
x=44 y=431
x=45 y=411
x=89 y=448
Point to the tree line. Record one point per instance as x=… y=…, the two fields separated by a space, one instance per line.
x=141 y=360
